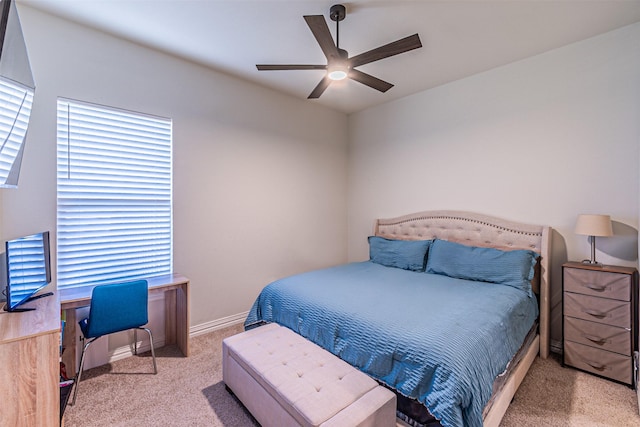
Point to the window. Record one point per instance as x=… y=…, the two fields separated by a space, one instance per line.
x=114 y=194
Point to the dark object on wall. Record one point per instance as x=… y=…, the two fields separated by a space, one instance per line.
x=16 y=94
x=339 y=66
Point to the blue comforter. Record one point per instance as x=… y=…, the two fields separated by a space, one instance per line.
x=433 y=338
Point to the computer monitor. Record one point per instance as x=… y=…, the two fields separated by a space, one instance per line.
x=28 y=269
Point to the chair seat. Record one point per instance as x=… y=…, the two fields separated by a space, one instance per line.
x=106 y=330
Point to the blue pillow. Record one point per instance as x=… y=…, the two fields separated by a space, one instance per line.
x=405 y=254
x=513 y=268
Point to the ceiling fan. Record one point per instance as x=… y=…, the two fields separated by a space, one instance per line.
x=339 y=65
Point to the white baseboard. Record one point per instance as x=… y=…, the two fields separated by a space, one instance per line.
x=214 y=325
x=203 y=328
x=127 y=351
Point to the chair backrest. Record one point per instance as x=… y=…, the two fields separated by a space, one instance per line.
x=117 y=307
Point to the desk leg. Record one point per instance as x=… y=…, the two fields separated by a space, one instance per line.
x=176 y=320
x=69 y=343
x=182 y=318
x=170 y=317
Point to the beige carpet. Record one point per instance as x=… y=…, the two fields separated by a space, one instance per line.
x=189 y=392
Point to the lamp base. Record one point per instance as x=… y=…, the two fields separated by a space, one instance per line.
x=594 y=263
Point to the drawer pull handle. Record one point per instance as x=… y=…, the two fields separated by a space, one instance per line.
x=594 y=313
x=596 y=288
x=595 y=340
x=597 y=366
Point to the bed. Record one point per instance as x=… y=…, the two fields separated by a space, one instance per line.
x=452 y=334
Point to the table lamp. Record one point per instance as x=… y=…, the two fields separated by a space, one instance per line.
x=592 y=226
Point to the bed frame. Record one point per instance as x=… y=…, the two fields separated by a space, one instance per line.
x=482 y=230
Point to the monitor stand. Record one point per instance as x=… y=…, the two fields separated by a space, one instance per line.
x=33 y=298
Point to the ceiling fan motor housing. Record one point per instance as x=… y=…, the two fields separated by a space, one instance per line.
x=337 y=12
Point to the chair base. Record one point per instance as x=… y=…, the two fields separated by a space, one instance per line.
x=135 y=351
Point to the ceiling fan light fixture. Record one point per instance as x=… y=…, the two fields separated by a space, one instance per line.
x=337 y=72
x=338 y=68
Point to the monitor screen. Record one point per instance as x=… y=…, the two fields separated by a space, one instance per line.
x=28 y=267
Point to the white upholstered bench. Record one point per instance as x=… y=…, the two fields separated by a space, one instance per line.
x=285 y=380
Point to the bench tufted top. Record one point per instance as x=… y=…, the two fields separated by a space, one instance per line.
x=312 y=384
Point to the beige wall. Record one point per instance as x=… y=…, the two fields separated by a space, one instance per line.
x=264 y=186
x=540 y=140
x=259 y=178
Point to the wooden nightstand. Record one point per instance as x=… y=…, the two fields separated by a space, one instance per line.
x=600 y=319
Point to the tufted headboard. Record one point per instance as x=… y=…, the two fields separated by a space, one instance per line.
x=481 y=230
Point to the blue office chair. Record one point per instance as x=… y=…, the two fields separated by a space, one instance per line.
x=114 y=308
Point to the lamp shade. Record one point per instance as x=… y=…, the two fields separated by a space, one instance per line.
x=594 y=225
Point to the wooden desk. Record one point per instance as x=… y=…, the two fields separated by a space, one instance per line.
x=176 y=309
x=29 y=367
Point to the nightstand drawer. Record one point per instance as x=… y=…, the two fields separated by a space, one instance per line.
x=598 y=335
x=600 y=362
x=598 y=283
x=602 y=310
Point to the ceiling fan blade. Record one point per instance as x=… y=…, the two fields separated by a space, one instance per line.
x=318 y=26
x=322 y=86
x=262 y=67
x=394 y=48
x=369 y=80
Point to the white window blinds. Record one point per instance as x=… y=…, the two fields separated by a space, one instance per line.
x=114 y=194
x=15 y=109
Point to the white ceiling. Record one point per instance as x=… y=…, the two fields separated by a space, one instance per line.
x=460 y=38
